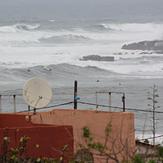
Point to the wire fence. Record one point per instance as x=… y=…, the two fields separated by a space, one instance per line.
x=13 y=99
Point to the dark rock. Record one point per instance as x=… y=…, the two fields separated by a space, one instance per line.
x=159 y=52
x=97 y=58
x=145 y=45
x=145 y=52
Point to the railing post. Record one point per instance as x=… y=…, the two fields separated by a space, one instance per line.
x=96 y=100
x=123 y=101
x=110 y=101
x=14 y=98
x=0 y=103
x=29 y=108
x=75 y=94
x=34 y=111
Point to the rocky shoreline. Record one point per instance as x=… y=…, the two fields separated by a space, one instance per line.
x=156 y=45
x=97 y=58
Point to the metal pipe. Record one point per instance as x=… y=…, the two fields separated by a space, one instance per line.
x=14 y=100
x=29 y=108
x=124 y=103
x=96 y=101
x=75 y=94
x=34 y=111
x=0 y=103
x=109 y=101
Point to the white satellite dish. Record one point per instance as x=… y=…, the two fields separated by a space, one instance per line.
x=37 y=93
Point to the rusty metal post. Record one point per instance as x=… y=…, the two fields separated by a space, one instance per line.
x=0 y=103
x=34 y=111
x=14 y=101
x=29 y=108
x=124 y=103
x=75 y=94
x=96 y=100
x=109 y=101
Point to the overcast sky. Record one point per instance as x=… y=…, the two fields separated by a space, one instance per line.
x=80 y=8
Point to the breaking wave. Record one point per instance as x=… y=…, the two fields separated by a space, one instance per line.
x=127 y=27
x=64 y=38
x=135 y=27
x=27 y=27
x=101 y=27
x=19 y=27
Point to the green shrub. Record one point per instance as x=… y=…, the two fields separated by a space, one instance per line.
x=151 y=161
x=138 y=159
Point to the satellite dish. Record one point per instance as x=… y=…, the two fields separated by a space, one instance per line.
x=37 y=93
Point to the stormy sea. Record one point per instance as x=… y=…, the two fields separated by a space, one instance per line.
x=102 y=55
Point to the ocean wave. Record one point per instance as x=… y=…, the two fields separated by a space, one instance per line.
x=64 y=39
x=19 y=27
x=136 y=27
x=101 y=27
x=52 y=20
x=27 y=27
x=126 y=27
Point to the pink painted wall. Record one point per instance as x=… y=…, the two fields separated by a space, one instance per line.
x=121 y=139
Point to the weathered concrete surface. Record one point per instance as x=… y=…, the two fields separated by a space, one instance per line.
x=45 y=140
x=122 y=136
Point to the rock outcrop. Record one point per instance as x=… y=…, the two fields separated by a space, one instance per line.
x=156 y=45
x=97 y=58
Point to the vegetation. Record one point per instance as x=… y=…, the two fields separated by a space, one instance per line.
x=102 y=150
x=85 y=154
x=16 y=155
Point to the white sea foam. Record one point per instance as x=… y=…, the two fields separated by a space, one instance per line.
x=133 y=27
x=69 y=38
x=21 y=42
x=19 y=27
